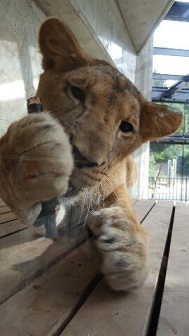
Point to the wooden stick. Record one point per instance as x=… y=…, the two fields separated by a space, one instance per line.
x=34 y=105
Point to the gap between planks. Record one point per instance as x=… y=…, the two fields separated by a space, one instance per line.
x=175 y=305
x=4 y=210
x=11 y=227
x=6 y=217
x=151 y=327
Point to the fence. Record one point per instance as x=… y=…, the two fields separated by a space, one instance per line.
x=165 y=188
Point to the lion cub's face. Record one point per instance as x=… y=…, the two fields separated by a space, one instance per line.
x=98 y=112
x=104 y=115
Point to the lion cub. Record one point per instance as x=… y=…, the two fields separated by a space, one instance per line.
x=96 y=118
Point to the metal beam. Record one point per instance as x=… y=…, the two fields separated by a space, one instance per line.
x=177 y=140
x=174 y=89
x=170 y=100
x=173 y=142
x=178 y=12
x=178 y=88
x=174 y=93
x=171 y=52
x=168 y=76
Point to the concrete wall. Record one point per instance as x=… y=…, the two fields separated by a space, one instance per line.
x=100 y=29
x=20 y=63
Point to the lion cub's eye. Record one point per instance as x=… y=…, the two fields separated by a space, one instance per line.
x=126 y=127
x=77 y=93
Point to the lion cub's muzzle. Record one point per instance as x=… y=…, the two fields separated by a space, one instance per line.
x=80 y=161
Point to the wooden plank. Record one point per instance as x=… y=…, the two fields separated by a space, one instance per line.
x=175 y=306
x=109 y=313
x=25 y=258
x=11 y=227
x=36 y=309
x=16 y=244
x=4 y=209
x=6 y=217
x=2 y=203
x=25 y=261
x=11 y=243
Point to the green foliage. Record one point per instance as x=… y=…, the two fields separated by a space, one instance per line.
x=152 y=163
x=164 y=152
x=158 y=82
x=159 y=156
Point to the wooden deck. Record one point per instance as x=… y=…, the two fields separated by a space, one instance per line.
x=51 y=288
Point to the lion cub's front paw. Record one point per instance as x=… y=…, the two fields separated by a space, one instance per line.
x=122 y=247
x=35 y=162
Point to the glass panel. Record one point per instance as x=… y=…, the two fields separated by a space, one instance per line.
x=169 y=163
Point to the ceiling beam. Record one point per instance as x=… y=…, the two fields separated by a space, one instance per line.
x=170 y=77
x=170 y=100
x=171 y=52
x=163 y=93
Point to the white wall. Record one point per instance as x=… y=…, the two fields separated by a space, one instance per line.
x=20 y=63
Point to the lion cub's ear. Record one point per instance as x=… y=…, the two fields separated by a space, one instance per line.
x=59 y=47
x=158 y=121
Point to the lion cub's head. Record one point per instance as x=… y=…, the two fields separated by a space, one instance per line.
x=103 y=113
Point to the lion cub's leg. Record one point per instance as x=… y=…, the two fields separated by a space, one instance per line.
x=122 y=243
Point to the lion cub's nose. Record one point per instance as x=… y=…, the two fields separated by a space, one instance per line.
x=80 y=161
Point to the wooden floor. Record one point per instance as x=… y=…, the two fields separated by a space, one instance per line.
x=51 y=288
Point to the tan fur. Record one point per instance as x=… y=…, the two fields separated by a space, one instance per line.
x=40 y=147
